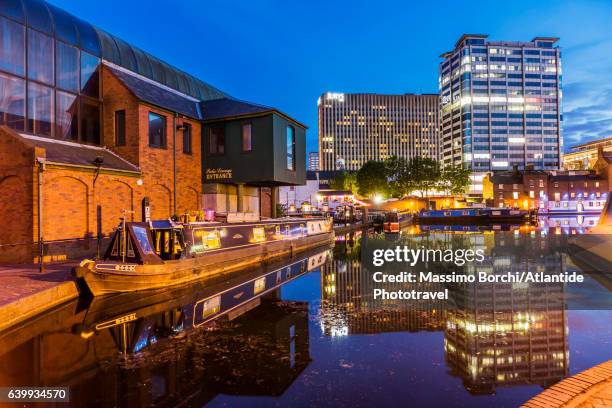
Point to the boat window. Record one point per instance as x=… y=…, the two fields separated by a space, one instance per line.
x=205 y=239
x=260 y=285
x=211 y=306
x=140 y=233
x=259 y=234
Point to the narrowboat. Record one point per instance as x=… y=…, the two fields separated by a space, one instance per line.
x=199 y=303
x=159 y=254
x=472 y=216
x=395 y=221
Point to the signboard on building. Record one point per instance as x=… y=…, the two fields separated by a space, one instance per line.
x=218 y=174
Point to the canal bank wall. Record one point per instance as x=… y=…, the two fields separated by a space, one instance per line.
x=26 y=292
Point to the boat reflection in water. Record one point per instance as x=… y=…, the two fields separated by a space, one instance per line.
x=495 y=335
x=249 y=342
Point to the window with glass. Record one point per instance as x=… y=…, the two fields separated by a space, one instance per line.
x=66 y=117
x=12 y=47
x=246 y=137
x=40 y=57
x=157 y=130
x=186 y=138
x=40 y=109
x=90 y=76
x=12 y=102
x=90 y=121
x=290 y=148
x=67 y=67
x=120 y=128
x=217 y=140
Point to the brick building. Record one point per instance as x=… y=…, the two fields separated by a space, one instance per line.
x=90 y=126
x=553 y=192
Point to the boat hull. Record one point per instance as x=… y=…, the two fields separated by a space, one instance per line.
x=107 y=277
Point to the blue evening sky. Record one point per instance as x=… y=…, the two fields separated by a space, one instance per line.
x=285 y=53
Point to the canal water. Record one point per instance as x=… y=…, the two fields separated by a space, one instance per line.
x=308 y=332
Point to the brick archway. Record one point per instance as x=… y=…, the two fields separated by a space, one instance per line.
x=160 y=198
x=65 y=208
x=16 y=213
x=115 y=196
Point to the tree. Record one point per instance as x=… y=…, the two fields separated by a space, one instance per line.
x=424 y=174
x=397 y=176
x=343 y=181
x=455 y=179
x=372 y=178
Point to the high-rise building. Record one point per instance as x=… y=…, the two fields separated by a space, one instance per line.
x=313 y=161
x=355 y=128
x=500 y=105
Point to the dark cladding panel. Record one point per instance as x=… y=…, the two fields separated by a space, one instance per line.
x=109 y=47
x=158 y=70
x=128 y=60
x=12 y=9
x=88 y=39
x=182 y=84
x=38 y=16
x=144 y=66
x=170 y=75
x=65 y=29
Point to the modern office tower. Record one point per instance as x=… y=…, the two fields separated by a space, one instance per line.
x=500 y=105
x=313 y=161
x=355 y=128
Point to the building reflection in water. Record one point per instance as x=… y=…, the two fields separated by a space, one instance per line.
x=138 y=350
x=497 y=334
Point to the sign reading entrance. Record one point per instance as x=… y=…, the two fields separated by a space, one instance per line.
x=218 y=174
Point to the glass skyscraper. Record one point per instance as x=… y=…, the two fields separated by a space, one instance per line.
x=500 y=105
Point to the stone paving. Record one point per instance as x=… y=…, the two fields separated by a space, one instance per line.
x=25 y=291
x=591 y=388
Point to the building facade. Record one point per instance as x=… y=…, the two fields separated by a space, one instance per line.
x=584 y=156
x=551 y=192
x=313 y=161
x=91 y=128
x=355 y=128
x=500 y=105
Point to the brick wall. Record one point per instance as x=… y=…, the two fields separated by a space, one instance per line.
x=16 y=197
x=156 y=163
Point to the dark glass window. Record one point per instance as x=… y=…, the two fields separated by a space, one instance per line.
x=217 y=140
x=246 y=137
x=157 y=130
x=40 y=109
x=290 y=148
x=64 y=27
x=186 y=138
x=66 y=117
x=90 y=121
x=12 y=45
x=90 y=76
x=38 y=16
x=12 y=102
x=12 y=8
x=120 y=128
x=67 y=67
x=40 y=57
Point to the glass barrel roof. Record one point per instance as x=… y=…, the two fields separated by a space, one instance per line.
x=63 y=26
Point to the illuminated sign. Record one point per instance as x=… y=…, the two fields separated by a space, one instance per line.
x=218 y=174
x=335 y=96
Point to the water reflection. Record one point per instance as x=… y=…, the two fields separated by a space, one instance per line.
x=244 y=335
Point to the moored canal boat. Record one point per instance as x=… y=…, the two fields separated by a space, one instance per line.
x=462 y=216
x=395 y=221
x=159 y=254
